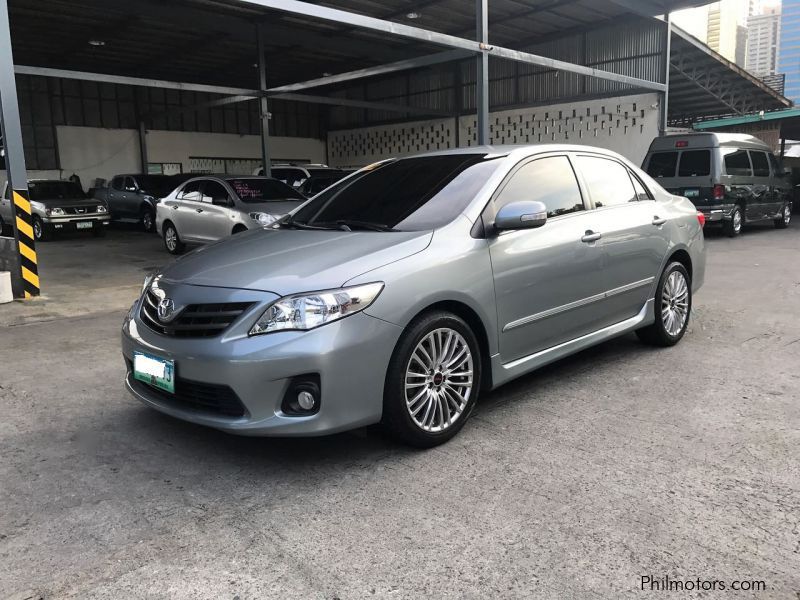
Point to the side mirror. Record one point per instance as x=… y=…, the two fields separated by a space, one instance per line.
x=525 y=214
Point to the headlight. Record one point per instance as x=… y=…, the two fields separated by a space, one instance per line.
x=147 y=281
x=55 y=211
x=263 y=218
x=101 y=209
x=307 y=311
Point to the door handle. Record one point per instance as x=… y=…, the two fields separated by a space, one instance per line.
x=658 y=222
x=590 y=236
x=199 y=210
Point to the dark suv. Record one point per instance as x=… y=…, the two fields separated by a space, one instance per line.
x=134 y=197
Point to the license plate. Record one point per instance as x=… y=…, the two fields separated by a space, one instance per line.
x=155 y=371
x=691 y=193
x=84 y=225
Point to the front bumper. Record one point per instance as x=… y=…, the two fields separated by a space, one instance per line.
x=717 y=213
x=70 y=223
x=350 y=356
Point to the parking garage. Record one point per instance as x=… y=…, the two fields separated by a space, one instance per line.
x=580 y=478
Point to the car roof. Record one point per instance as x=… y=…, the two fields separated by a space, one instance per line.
x=708 y=140
x=521 y=151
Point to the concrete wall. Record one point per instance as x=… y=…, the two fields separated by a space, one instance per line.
x=625 y=124
x=91 y=152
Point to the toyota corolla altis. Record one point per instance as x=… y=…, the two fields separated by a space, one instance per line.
x=400 y=293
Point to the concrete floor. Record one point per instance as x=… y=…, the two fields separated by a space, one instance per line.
x=572 y=482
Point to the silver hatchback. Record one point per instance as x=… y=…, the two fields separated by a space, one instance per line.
x=210 y=208
x=400 y=293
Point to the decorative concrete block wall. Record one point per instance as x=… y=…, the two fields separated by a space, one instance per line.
x=625 y=124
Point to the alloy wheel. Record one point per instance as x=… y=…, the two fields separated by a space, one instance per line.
x=147 y=220
x=737 y=221
x=37 y=230
x=438 y=380
x=787 y=214
x=171 y=238
x=675 y=303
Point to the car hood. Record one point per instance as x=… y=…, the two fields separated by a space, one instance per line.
x=53 y=202
x=275 y=207
x=288 y=261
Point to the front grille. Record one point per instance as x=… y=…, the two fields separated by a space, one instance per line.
x=196 y=320
x=197 y=396
x=81 y=210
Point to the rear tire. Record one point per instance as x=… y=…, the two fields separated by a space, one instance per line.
x=673 y=307
x=172 y=242
x=733 y=226
x=433 y=380
x=782 y=222
x=148 y=219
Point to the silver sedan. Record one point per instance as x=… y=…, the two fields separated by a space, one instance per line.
x=401 y=293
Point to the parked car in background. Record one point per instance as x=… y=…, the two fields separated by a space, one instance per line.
x=308 y=179
x=133 y=197
x=403 y=291
x=57 y=206
x=209 y=208
x=732 y=178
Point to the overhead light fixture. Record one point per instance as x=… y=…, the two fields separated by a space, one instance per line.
x=97 y=43
x=413 y=15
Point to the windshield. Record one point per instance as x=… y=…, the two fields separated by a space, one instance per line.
x=252 y=190
x=410 y=194
x=55 y=190
x=158 y=185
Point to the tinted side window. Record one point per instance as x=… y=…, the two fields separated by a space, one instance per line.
x=216 y=193
x=760 y=164
x=695 y=163
x=641 y=191
x=130 y=185
x=117 y=182
x=191 y=191
x=662 y=164
x=608 y=181
x=549 y=180
x=737 y=163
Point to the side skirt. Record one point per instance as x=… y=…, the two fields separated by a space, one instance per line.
x=504 y=372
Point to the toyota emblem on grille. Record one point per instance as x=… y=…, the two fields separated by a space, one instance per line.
x=166 y=310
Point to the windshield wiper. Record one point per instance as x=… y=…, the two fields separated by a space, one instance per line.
x=349 y=225
x=291 y=223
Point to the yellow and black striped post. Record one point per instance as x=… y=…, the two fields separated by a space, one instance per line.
x=25 y=243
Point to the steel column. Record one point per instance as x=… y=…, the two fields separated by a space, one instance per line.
x=143 y=147
x=664 y=113
x=25 y=281
x=263 y=107
x=482 y=79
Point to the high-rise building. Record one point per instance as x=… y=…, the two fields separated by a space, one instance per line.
x=763 y=38
x=789 y=48
x=721 y=25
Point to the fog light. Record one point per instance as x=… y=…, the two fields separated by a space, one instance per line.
x=302 y=397
x=305 y=400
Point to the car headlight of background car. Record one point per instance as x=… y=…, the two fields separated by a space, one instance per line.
x=147 y=281
x=301 y=312
x=55 y=212
x=101 y=209
x=263 y=218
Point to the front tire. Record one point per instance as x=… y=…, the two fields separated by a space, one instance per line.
x=40 y=231
x=433 y=380
x=733 y=227
x=172 y=242
x=673 y=307
x=782 y=222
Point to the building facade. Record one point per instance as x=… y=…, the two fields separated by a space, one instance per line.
x=789 y=53
x=763 y=39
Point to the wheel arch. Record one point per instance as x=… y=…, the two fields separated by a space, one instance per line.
x=682 y=256
x=477 y=326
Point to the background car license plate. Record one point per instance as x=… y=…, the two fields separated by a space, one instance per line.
x=83 y=224
x=691 y=193
x=155 y=371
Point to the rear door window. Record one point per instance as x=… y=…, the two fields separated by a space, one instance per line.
x=191 y=191
x=662 y=164
x=760 y=163
x=216 y=193
x=608 y=181
x=641 y=191
x=117 y=183
x=695 y=163
x=737 y=162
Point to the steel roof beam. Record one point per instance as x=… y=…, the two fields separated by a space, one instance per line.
x=315 y=11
